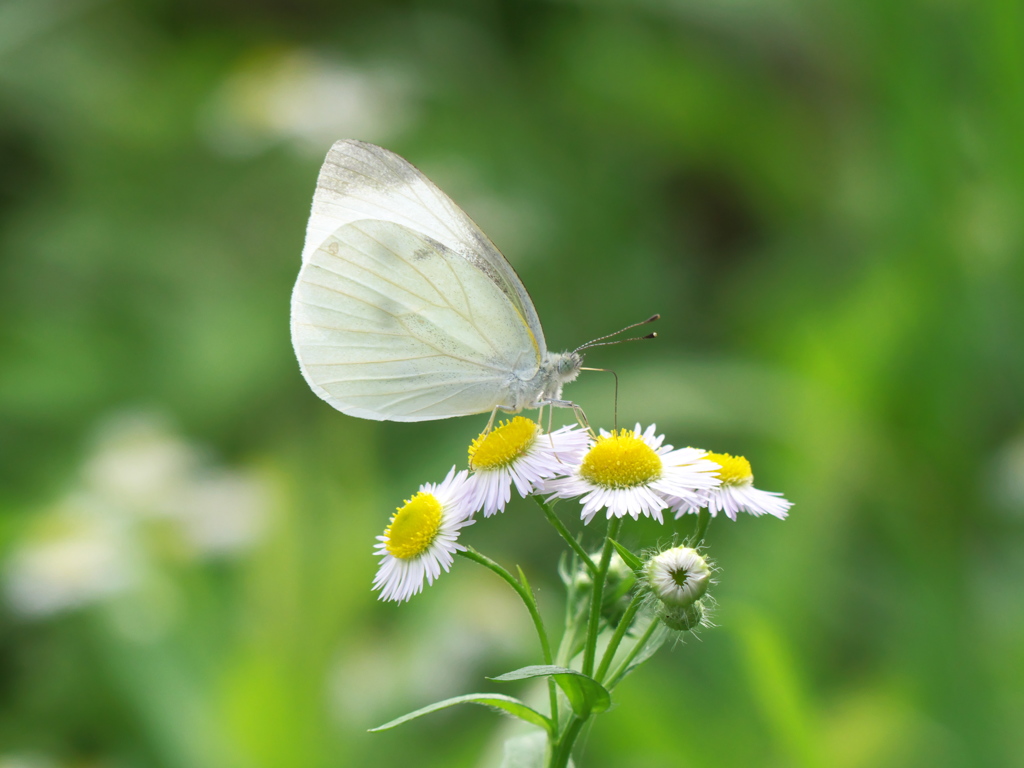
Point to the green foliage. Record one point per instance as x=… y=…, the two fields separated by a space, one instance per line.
x=495 y=700
x=586 y=695
x=628 y=557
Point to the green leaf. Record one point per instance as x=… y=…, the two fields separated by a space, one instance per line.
x=585 y=694
x=661 y=634
x=522 y=579
x=628 y=557
x=495 y=700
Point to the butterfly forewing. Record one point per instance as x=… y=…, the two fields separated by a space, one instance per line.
x=360 y=181
x=391 y=324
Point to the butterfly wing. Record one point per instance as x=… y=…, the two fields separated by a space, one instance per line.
x=364 y=181
x=391 y=324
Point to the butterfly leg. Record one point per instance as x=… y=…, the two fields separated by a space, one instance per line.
x=581 y=417
x=551 y=418
x=490 y=422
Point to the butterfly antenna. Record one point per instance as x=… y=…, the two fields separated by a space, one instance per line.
x=600 y=340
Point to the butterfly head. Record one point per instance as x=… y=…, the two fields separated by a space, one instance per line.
x=558 y=369
x=567 y=366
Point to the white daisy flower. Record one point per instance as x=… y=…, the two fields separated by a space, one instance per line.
x=421 y=537
x=736 y=493
x=678 y=576
x=629 y=472
x=518 y=452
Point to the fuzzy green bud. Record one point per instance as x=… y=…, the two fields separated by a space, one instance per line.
x=683 y=619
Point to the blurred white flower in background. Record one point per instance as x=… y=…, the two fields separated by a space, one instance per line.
x=222 y=512
x=72 y=555
x=145 y=496
x=308 y=100
x=138 y=464
x=140 y=467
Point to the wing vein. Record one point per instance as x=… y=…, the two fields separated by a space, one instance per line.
x=373 y=362
x=370 y=287
x=471 y=319
x=434 y=404
x=346 y=330
x=402 y=391
x=440 y=352
x=346 y=295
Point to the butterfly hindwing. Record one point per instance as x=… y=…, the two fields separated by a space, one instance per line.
x=389 y=323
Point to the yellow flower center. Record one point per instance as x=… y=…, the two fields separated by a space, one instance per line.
x=735 y=470
x=502 y=446
x=621 y=460
x=413 y=527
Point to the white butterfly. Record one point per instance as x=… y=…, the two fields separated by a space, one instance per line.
x=404 y=310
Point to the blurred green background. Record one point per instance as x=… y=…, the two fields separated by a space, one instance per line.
x=822 y=199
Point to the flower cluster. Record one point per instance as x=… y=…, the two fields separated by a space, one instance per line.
x=623 y=472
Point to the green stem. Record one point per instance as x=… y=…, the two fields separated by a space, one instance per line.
x=620 y=632
x=590 y=650
x=531 y=605
x=621 y=671
x=562 y=750
x=564 y=533
x=703 y=520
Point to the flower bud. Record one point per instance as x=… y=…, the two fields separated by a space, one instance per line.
x=682 y=619
x=678 y=577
